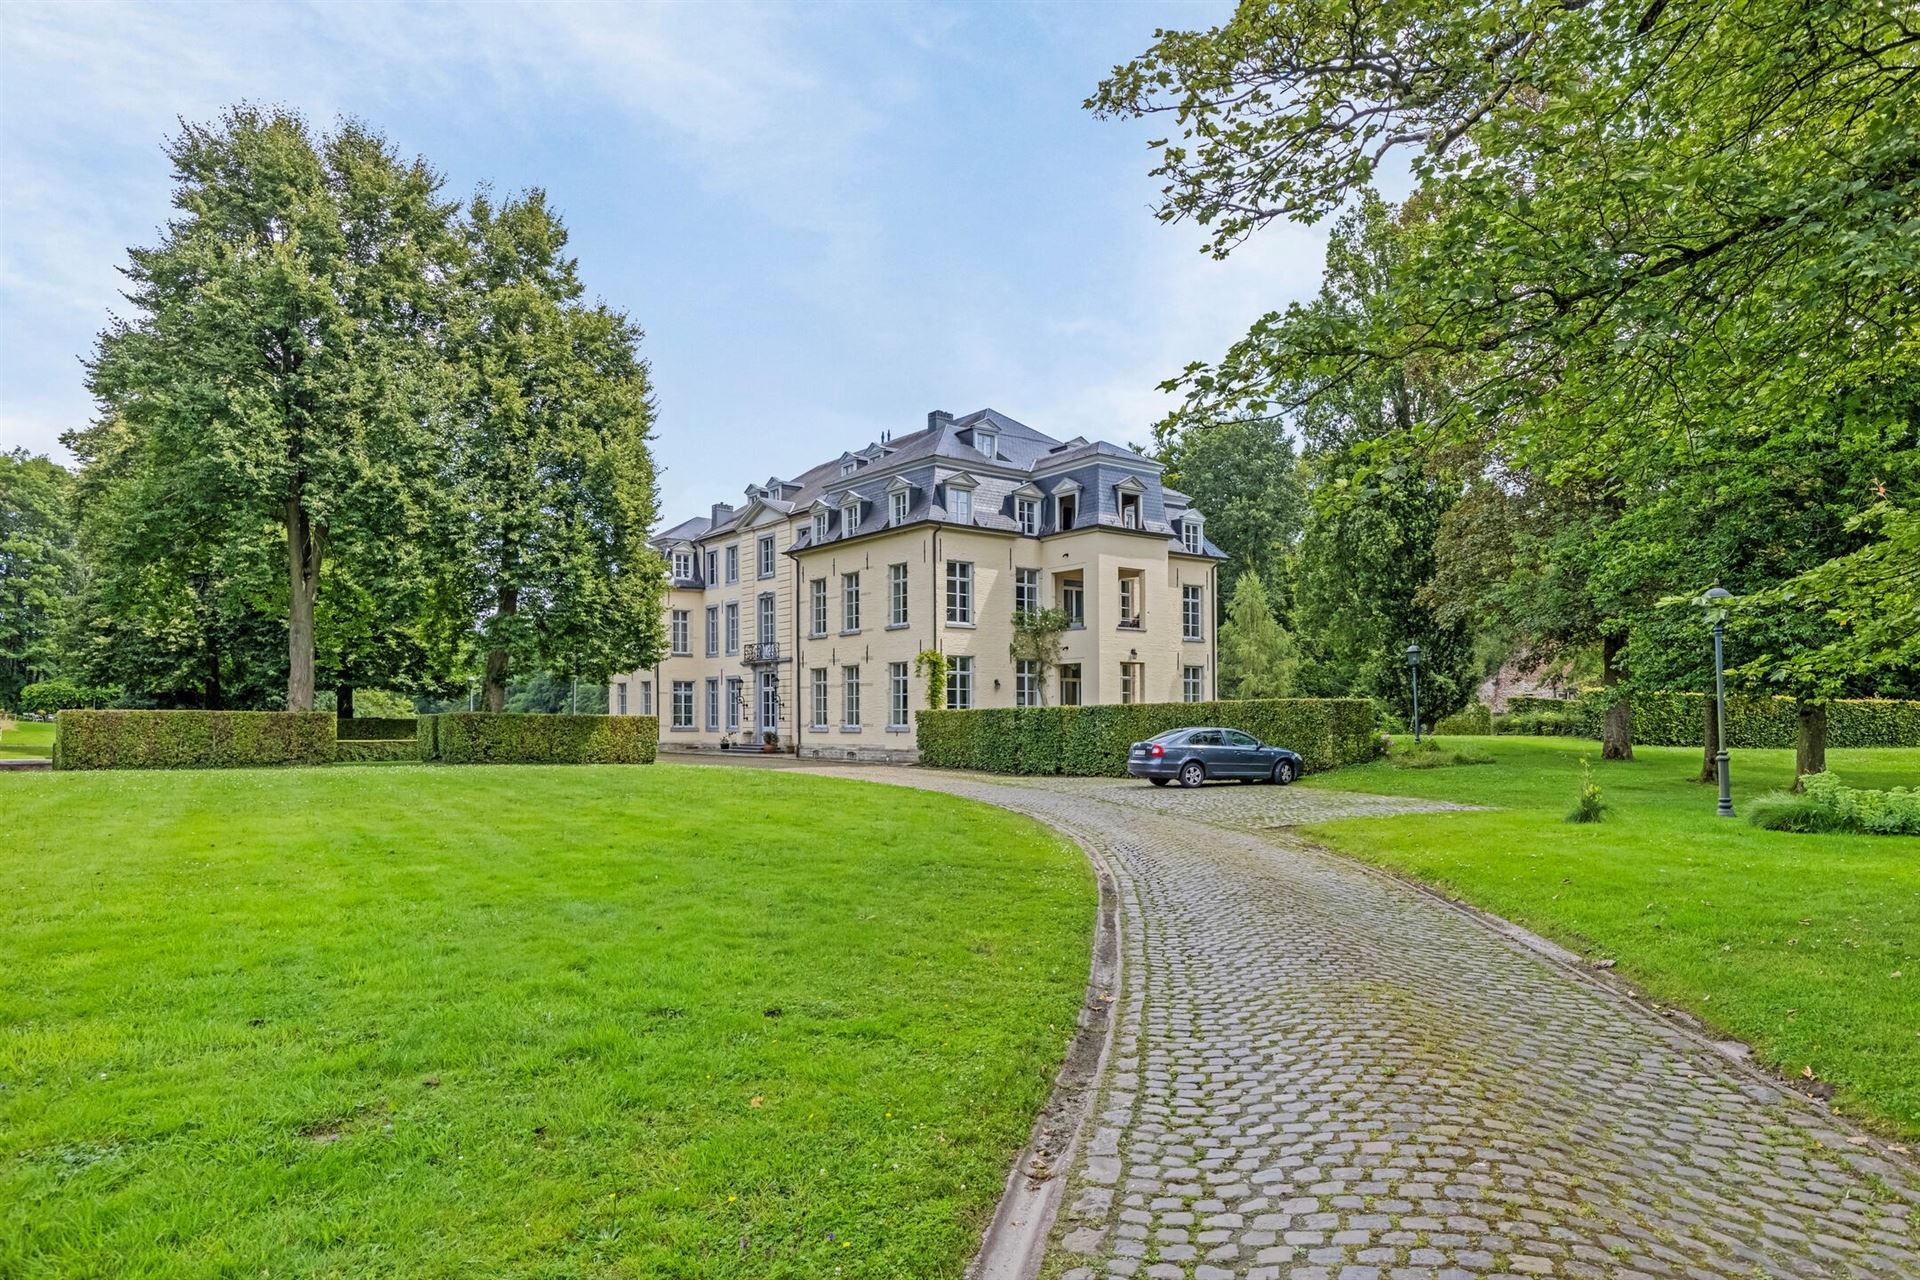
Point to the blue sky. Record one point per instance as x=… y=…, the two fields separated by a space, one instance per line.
x=829 y=218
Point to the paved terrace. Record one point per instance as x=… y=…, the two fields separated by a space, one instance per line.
x=1320 y=1073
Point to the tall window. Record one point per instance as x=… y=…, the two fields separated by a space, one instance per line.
x=1073 y=602
x=1129 y=509
x=713 y=705
x=897 y=503
x=849 y=602
x=1190 y=536
x=959 y=683
x=764 y=616
x=734 y=700
x=683 y=564
x=1130 y=681
x=896 y=595
x=713 y=629
x=850 y=696
x=713 y=568
x=620 y=699
x=1026 y=590
x=817 y=607
x=683 y=704
x=850 y=517
x=1026 y=683
x=818 y=680
x=1027 y=512
x=733 y=626
x=1066 y=507
x=898 y=691
x=1129 y=600
x=960 y=505
x=733 y=563
x=987 y=442
x=819 y=527
x=1191 y=599
x=766 y=556
x=1193 y=682
x=646 y=697
x=1069 y=684
x=960 y=592
x=682 y=625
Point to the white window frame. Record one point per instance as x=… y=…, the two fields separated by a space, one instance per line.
x=1026 y=511
x=819 y=527
x=682 y=687
x=899 y=694
x=1132 y=616
x=766 y=629
x=818 y=678
x=734 y=696
x=1060 y=521
x=1190 y=536
x=849 y=517
x=620 y=700
x=1193 y=684
x=897 y=595
x=713 y=631
x=713 y=567
x=959 y=683
x=1026 y=683
x=959 y=505
x=683 y=564
x=646 y=697
x=1193 y=601
x=1132 y=509
x=733 y=563
x=1026 y=591
x=849 y=697
x=766 y=553
x=899 y=502
x=817 y=607
x=849 y=603
x=1069 y=681
x=1073 y=602
x=713 y=704
x=681 y=632
x=959 y=593
x=987 y=443
x=1132 y=675
x=733 y=627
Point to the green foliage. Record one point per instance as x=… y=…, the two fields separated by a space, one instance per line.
x=1549 y=724
x=461 y=737
x=1428 y=754
x=366 y=728
x=375 y=750
x=1662 y=718
x=45 y=697
x=1092 y=741
x=1036 y=638
x=1589 y=807
x=1826 y=804
x=1472 y=719
x=39 y=568
x=931 y=666
x=1258 y=657
x=192 y=739
x=1243 y=477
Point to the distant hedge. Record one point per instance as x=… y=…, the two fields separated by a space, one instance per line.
x=1093 y=741
x=368 y=750
x=368 y=728
x=1672 y=719
x=1471 y=719
x=469 y=737
x=191 y=739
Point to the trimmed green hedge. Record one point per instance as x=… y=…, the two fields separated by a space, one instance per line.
x=191 y=739
x=1673 y=719
x=1093 y=741
x=369 y=750
x=1474 y=718
x=477 y=737
x=368 y=728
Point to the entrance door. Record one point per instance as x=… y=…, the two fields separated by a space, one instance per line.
x=769 y=703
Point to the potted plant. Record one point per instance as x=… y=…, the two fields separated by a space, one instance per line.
x=769 y=743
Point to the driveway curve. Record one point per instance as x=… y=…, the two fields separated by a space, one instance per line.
x=1320 y=1073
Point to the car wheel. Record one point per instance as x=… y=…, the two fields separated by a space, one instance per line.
x=1159 y=782
x=1283 y=772
x=1192 y=773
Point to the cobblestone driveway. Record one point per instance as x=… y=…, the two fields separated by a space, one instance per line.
x=1321 y=1074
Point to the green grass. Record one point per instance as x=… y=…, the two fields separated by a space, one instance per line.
x=27 y=739
x=519 y=1021
x=1806 y=946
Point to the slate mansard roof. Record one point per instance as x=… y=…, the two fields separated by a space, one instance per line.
x=949 y=454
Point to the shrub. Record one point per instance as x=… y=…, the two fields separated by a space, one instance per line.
x=1474 y=718
x=1093 y=741
x=1669 y=718
x=367 y=728
x=191 y=739
x=1428 y=754
x=1830 y=805
x=370 y=750
x=45 y=697
x=478 y=737
x=1589 y=808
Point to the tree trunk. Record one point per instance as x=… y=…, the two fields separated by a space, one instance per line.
x=343 y=702
x=1710 y=744
x=1810 y=750
x=496 y=699
x=303 y=585
x=1616 y=731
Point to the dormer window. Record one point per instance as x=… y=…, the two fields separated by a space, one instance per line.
x=897 y=503
x=1026 y=512
x=960 y=505
x=849 y=516
x=987 y=442
x=683 y=564
x=848 y=467
x=1127 y=498
x=819 y=527
x=1190 y=536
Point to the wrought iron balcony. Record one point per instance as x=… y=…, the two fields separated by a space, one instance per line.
x=757 y=653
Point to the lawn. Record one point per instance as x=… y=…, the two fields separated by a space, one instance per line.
x=519 y=1021
x=27 y=738
x=1806 y=946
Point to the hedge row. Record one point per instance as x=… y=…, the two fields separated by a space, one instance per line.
x=368 y=728
x=1672 y=719
x=1093 y=741
x=191 y=739
x=469 y=737
x=370 y=750
x=1474 y=718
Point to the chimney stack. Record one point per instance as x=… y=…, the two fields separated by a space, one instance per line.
x=722 y=512
x=939 y=418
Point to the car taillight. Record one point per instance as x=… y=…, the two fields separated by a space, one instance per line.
x=1156 y=750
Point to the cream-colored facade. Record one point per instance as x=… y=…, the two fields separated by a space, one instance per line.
x=796 y=619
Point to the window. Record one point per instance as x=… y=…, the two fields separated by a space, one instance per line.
x=850 y=517
x=849 y=602
x=959 y=684
x=764 y=616
x=1026 y=683
x=683 y=704
x=733 y=564
x=1190 y=606
x=850 y=696
x=960 y=505
x=733 y=704
x=1073 y=602
x=766 y=556
x=987 y=443
x=896 y=595
x=818 y=680
x=848 y=467
x=960 y=592
x=897 y=504
x=819 y=527
x=1193 y=681
x=817 y=607
x=713 y=705
x=683 y=564
x=1066 y=506
x=713 y=629
x=1026 y=591
x=713 y=568
x=1129 y=509
x=620 y=697
x=733 y=626
x=898 y=691
x=646 y=697
x=1130 y=602
x=682 y=624
x=1190 y=536
x=1130 y=681
x=1069 y=684
x=1027 y=512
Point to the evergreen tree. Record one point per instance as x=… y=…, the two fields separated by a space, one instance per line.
x=1258 y=656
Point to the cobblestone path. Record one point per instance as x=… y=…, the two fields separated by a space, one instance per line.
x=1321 y=1074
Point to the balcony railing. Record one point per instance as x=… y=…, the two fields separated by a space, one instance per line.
x=767 y=652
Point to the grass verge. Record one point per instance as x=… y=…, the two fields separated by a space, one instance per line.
x=28 y=739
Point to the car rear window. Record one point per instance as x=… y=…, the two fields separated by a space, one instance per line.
x=1171 y=735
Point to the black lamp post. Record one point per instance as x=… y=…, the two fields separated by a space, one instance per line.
x=1413 y=666
x=1717 y=614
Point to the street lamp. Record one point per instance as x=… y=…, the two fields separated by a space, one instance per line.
x=1717 y=614
x=1413 y=665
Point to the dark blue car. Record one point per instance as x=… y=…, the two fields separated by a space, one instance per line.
x=1191 y=756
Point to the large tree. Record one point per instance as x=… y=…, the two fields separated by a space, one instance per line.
x=39 y=568
x=555 y=412
x=1244 y=477
x=281 y=367
x=1258 y=657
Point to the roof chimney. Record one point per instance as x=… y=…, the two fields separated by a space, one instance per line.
x=722 y=512
x=939 y=418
